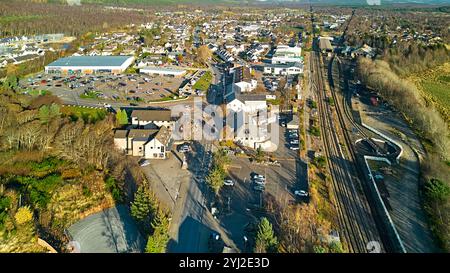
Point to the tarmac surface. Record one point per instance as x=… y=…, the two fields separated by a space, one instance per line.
x=109 y=231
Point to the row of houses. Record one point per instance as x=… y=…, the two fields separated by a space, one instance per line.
x=20 y=49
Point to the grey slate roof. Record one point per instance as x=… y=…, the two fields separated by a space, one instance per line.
x=152 y=115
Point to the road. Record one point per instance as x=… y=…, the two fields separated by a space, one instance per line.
x=192 y=205
x=192 y=215
x=357 y=224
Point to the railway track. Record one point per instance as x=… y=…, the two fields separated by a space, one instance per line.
x=357 y=225
x=385 y=244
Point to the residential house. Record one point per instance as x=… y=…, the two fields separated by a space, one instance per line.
x=225 y=55
x=150 y=118
x=146 y=143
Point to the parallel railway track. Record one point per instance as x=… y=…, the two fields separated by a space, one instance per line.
x=357 y=225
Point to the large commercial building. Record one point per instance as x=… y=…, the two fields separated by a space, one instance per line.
x=90 y=64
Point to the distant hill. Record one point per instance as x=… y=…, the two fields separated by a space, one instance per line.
x=173 y=2
x=361 y=2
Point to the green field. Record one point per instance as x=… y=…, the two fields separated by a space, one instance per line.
x=14 y=18
x=440 y=91
x=89 y=115
x=204 y=82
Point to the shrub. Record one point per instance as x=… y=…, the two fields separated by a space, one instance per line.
x=23 y=215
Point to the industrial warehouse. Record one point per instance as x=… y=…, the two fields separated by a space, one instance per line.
x=90 y=65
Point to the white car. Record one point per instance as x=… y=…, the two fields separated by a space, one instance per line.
x=301 y=193
x=144 y=163
x=185 y=148
x=259 y=181
x=228 y=182
x=259 y=176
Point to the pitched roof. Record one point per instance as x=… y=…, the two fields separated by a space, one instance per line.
x=120 y=134
x=163 y=135
x=141 y=133
x=251 y=97
x=152 y=115
x=325 y=44
x=284 y=65
x=242 y=74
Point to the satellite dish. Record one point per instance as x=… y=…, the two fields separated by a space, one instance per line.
x=74 y=247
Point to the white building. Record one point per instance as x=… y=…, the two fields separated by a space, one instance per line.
x=247 y=120
x=162 y=71
x=147 y=143
x=284 y=69
x=286 y=54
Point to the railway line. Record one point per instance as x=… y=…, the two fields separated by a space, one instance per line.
x=357 y=225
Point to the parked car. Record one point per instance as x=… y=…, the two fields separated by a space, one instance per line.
x=228 y=182
x=144 y=162
x=294 y=147
x=260 y=176
x=184 y=149
x=301 y=193
x=259 y=188
x=260 y=182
